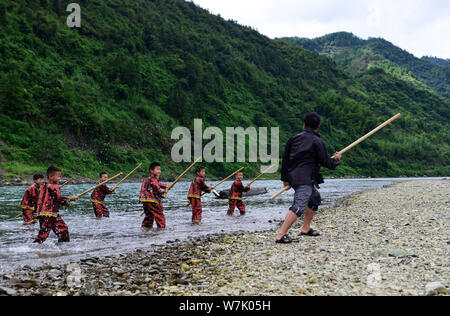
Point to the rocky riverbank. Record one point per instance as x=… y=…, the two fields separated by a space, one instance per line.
x=390 y=241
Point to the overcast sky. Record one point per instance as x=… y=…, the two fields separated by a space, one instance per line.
x=422 y=27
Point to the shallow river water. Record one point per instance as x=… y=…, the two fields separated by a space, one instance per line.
x=122 y=232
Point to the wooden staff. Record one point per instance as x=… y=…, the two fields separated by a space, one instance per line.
x=100 y=184
x=263 y=173
x=66 y=183
x=215 y=186
x=183 y=174
x=370 y=134
x=255 y=179
x=180 y=177
x=19 y=215
x=350 y=146
x=227 y=178
x=126 y=177
x=279 y=193
x=219 y=183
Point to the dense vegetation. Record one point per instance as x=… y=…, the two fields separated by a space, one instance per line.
x=107 y=96
x=438 y=61
x=357 y=55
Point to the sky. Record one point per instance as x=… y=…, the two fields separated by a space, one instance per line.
x=422 y=27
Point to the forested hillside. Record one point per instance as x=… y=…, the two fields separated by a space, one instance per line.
x=356 y=55
x=438 y=61
x=107 y=95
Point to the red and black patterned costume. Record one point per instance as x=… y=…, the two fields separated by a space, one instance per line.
x=28 y=204
x=235 y=198
x=151 y=195
x=98 y=201
x=195 y=192
x=48 y=204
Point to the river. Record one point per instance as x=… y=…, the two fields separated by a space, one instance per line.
x=122 y=233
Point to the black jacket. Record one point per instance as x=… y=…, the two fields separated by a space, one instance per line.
x=305 y=153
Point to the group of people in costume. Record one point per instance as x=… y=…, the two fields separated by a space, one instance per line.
x=42 y=200
x=304 y=155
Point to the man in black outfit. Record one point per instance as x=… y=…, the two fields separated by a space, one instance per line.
x=305 y=153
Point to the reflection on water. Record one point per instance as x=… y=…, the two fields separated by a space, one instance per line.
x=122 y=232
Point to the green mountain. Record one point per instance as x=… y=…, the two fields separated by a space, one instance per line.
x=107 y=95
x=357 y=55
x=438 y=61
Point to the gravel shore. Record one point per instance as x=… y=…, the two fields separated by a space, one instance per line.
x=390 y=241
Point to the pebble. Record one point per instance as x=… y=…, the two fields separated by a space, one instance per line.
x=435 y=288
x=7 y=291
x=185 y=267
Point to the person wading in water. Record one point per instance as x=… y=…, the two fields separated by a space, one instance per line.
x=304 y=154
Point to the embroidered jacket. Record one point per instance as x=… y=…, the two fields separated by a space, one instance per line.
x=236 y=190
x=151 y=190
x=197 y=187
x=99 y=194
x=50 y=200
x=30 y=198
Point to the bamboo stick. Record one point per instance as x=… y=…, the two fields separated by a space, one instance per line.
x=100 y=184
x=227 y=178
x=279 y=193
x=260 y=175
x=255 y=179
x=66 y=183
x=126 y=177
x=180 y=177
x=219 y=183
x=350 y=147
x=370 y=134
x=215 y=186
x=183 y=174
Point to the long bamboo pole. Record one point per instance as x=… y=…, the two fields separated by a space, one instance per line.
x=180 y=177
x=126 y=177
x=350 y=146
x=256 y=178
x=219 y=183
x=66 y=183
x=183 y=174
x=260 y=175
x=215 y=186
x=100 y=184
x=370 y=134
x=279 y=193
